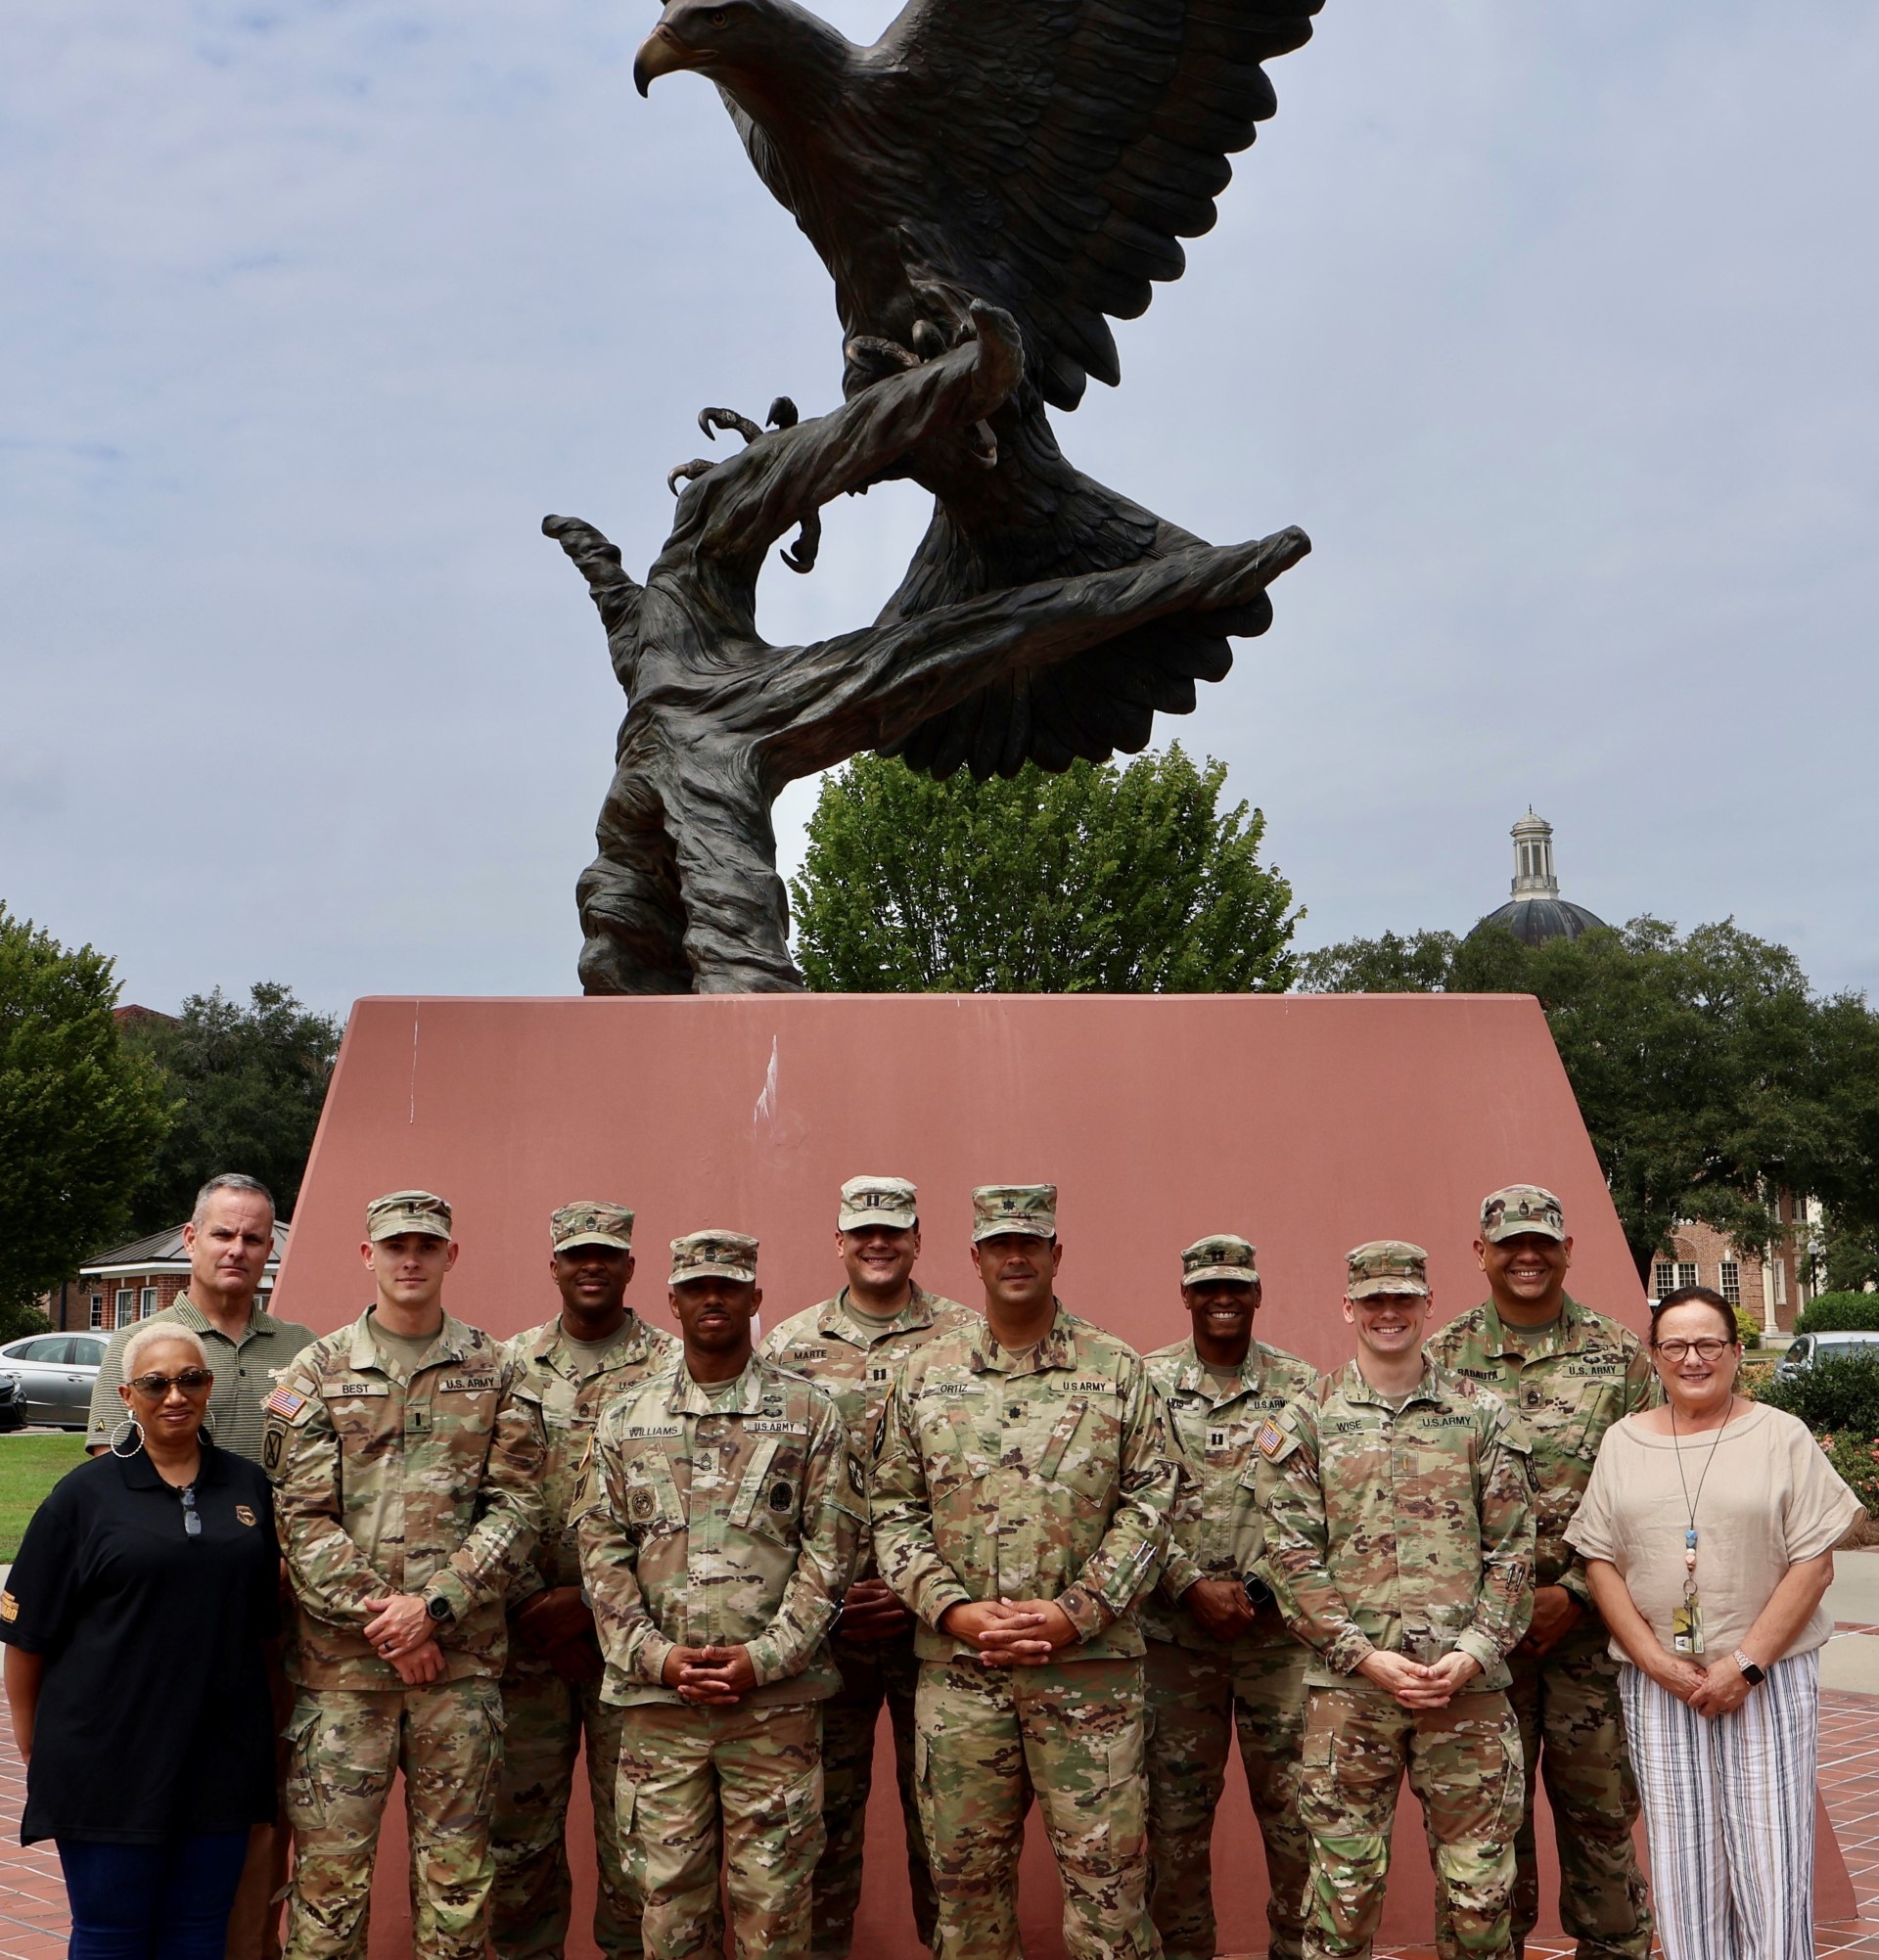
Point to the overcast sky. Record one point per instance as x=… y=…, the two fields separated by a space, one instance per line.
x=1554 y=325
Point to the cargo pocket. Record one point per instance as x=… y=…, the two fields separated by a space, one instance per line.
x=305 y=1805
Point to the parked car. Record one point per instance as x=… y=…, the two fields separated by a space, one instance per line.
x=55 y=1373
x=13 y=1403
x=1807 y=1349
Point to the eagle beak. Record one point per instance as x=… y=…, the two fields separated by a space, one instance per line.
x=662 y=53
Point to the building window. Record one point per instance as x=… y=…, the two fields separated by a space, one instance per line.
x=150 y=1301
x=97 y=1310
x=1729 y=1281
x=1686 y=1272
x=1663 y=1278
x=126 y=1306
x=1780 y=1282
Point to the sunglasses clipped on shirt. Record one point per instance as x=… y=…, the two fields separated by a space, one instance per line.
x=191 y=1381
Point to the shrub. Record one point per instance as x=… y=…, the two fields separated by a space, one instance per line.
x=1747 y=1328
x=1840 y=1313
x=1835 y=1398
x=1857 y=1459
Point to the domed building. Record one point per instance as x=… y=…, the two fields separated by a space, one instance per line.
x=1537 y=912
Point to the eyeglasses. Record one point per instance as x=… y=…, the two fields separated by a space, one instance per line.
x=192 y=1518
x=1706 y=1349
x=192 y=1382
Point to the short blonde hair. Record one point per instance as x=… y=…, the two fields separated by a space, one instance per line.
x=161 y=1329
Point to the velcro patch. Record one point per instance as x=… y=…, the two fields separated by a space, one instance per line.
x=762 y=1425
x=652 y=1431
x=467 y=1385
x=1271 y=1438
x=1099 y=1385
x=284 y=1403
x=339 y=1390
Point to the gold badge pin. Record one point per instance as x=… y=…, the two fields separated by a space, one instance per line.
x=244 y=1514
x=9 y=1607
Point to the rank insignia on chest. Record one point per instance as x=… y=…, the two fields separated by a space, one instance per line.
x=283 y=1402
x=879 y=1373
x=1217 y=1438
x=639 y=1504
x=1270 y=1438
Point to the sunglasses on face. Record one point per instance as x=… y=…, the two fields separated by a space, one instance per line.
x=1706 y=1349
x=191 y=1381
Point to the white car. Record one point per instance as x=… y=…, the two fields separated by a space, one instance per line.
x=55 y=1373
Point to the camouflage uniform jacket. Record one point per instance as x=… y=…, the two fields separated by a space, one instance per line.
x=853 y=1359
x=1409 y=1531
x=429 y=1484
x=570 y=1406
x=1570 y=1382
x=1217 y=1529
x=1047 y=1477
x=725 y=1524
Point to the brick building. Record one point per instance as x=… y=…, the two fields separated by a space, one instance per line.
x=1775 y=1289
x=131 y=1282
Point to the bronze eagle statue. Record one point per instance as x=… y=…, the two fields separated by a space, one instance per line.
x=1045 y=158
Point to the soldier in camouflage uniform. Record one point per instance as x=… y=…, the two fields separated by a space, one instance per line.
x=1571 y=1373
x=1219 y=1653
x=595 y=1348
x=1022 y=1486
x=719 y=1519
x=1400 y=1541
x=407 y=1454
x=852 y=1347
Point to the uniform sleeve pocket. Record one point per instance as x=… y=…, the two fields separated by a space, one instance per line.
x=1316 y=1752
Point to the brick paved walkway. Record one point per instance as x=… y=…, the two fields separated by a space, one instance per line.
x=32 y=1896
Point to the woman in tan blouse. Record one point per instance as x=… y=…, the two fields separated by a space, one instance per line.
x=1708 y=1534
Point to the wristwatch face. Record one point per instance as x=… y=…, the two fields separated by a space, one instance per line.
x=437 y=1608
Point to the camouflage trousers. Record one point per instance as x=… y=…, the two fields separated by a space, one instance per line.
x=987 y=1741
x=1463 y=1764
x=739 y=1788
x=873 y=1672
x=1195 y=1702
x=1572 y=1731
x=345 y=1746
x=544 y=1721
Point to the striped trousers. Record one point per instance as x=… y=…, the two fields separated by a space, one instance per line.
x=1728 y=1808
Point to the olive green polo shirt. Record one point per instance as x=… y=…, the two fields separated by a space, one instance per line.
x=244 y=1373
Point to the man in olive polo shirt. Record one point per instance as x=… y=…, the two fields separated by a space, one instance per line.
x=229 y=1241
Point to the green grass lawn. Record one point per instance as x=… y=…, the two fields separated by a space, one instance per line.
x=29 y=1465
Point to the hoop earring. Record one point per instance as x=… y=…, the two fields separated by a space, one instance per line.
x=121 y=1433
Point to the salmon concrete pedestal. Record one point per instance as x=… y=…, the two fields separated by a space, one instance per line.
x=1306 y=1124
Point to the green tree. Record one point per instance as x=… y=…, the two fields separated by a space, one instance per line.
x=1708 y=1072
x=250 y=1080
x=1099 y=880
x=82 y=1115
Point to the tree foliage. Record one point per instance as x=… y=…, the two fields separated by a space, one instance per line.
x=249 y=1080
x=81 y=1114
x=1707 y=1071
x=1099 y=880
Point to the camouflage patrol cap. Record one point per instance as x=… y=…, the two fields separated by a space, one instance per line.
x=1224 y=1256
x=998 y=1208
x=591 y=1223
x=877 y=1200
x=1521 y=1207
x=407 y=1211
x=1386 y=1266
x=713 y=1255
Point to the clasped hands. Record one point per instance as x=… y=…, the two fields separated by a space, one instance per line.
x=404 y=1633
x=1416 y=1686
x=1010 y=1632
x=712 y=1678
x=1718 y=1689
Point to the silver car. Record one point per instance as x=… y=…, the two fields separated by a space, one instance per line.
x=1808 y=1350
x=55 y=1373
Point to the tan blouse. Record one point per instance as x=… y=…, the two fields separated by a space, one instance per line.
x=1770 y=1500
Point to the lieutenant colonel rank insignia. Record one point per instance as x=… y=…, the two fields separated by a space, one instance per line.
x=1270 y=1438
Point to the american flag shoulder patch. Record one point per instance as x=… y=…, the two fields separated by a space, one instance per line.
x=284 y=1403
x=1269 y=1437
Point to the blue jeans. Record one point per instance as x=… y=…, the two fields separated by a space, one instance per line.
x=151 y=1902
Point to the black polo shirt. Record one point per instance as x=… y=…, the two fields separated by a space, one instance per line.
x=155 y=1721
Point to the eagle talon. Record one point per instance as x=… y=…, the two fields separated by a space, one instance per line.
x=801 y=555
x=712 y=420
x=691 y=471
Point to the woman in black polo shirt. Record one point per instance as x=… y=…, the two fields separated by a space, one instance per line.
x=138 y=1621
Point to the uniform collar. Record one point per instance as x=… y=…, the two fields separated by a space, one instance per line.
x=548 y=1345
x=839 y=1319
x=1565 y=1336
x=140 y=1474
x=687 y=1399
x=1197 y=1378
x=1057 y=1349
x=1354 y=1389
x=453 y=1342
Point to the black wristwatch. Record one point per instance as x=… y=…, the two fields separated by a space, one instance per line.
x=1750 y=1673
x=439 y=1608
x=1258 y=1592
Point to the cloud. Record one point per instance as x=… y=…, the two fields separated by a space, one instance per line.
x=1551 y=325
